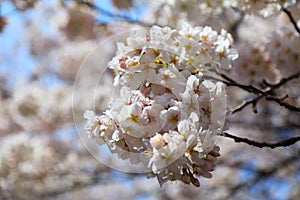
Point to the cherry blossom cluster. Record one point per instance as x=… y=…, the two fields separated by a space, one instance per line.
x=285 y=53
x=254 y=65
x=278 y=57
x=284 y=50
x=264 y=8
x=167 y=113
x=175 y=12
x=47 y=162
x=27 y=107
x=213 y=12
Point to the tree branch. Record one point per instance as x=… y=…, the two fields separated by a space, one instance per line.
x=262 y=93
x=253 y=102
x=283 y=143
x=230 y=82
x=278 y=128
x=285 y=80
x=293 y=21
x=282 y=103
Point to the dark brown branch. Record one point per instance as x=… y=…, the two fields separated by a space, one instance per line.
x=283 y=143
x=285 y=80
x=293 y=21
x=262 y=93
x=253 y=102
x=282 y=103
x=230 y=82
x=269 y=98
x=264 y=126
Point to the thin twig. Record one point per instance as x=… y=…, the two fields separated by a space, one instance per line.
x=285 y=80
x=246 y=103
x=230 y=82
x=270 y=98
x=262 y=93
x=282 y=103
x=283 y=143
x=265 y=127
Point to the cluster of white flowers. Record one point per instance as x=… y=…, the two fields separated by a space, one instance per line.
x=167 y=112
x=173 y=12
x=271 y=55
x=25 y=155
x=254 y=65
x=274 y=57
x=285 y=53
x=216 y=13
x=264 y=8
x=284 y=50
x=35 y=109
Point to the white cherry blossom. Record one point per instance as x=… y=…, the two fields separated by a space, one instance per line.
x=165 y=108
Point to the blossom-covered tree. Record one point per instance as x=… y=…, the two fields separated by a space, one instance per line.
x=108 y=95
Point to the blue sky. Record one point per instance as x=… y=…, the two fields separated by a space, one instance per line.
x=15 y=59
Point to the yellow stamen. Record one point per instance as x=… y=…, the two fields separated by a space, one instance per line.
x=133 y=118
